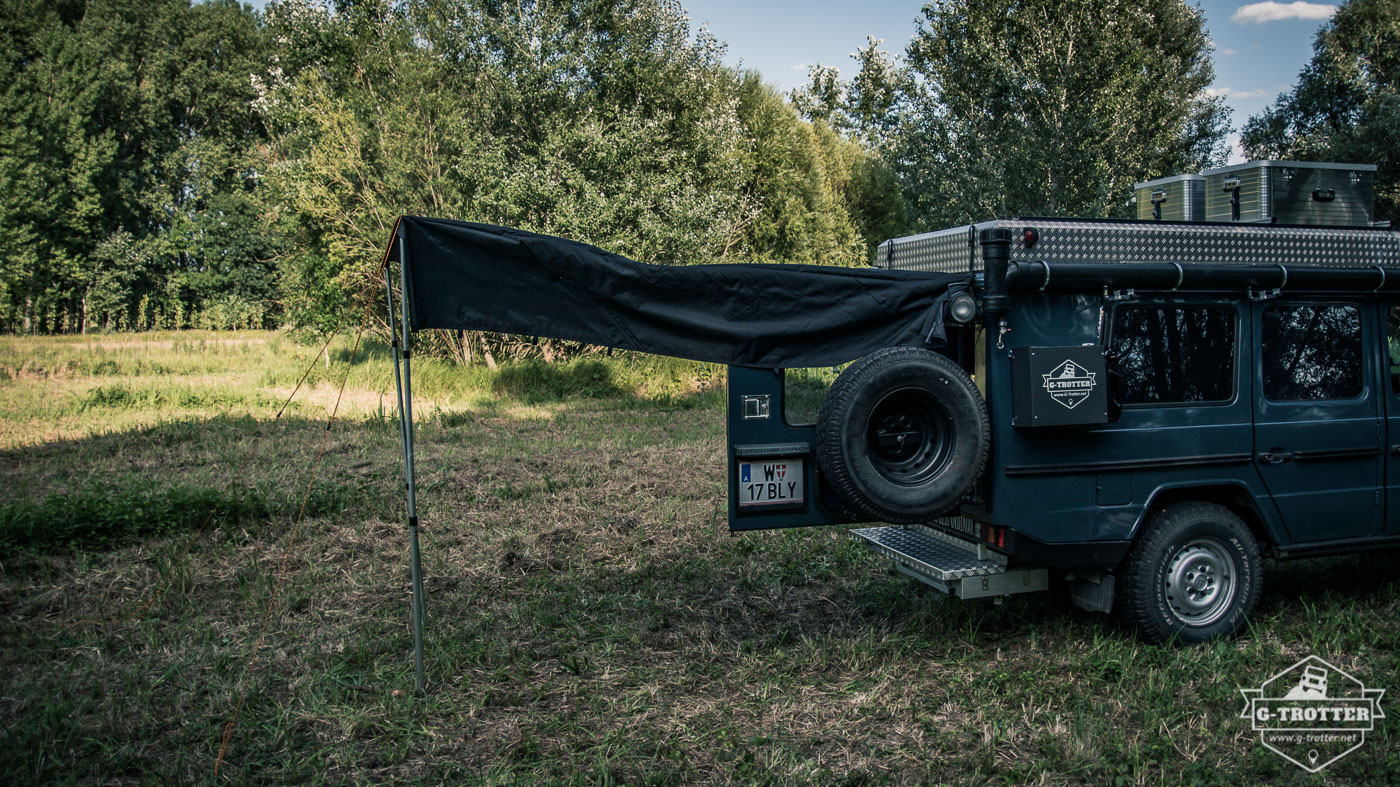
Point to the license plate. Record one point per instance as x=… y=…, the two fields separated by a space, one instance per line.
x=770 y=483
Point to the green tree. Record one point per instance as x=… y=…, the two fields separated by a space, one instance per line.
x=1346 y=105
x=600 y=120
x=1051 y=107
x=124 y=125
x=875 y=97
x=869 y=106
x=55 y=158
x=203 y=205
x=796 y=175
x=823 y=97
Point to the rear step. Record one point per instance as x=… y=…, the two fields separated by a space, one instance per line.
x=954 y=565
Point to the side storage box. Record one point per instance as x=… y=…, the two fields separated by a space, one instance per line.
x=1058 y=386
x=1292 y=192
x=1178 y=198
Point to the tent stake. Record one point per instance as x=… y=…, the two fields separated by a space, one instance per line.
x=403 y=383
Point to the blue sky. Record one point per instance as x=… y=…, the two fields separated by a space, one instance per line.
x=1259 y=47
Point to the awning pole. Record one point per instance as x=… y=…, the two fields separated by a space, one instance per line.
x=403 y=383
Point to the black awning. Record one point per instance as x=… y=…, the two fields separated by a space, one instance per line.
x=482 y=277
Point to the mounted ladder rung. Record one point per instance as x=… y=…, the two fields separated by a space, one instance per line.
x=949 y=563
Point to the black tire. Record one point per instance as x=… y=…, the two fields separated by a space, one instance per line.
x=902 y=435
x=1195 y=574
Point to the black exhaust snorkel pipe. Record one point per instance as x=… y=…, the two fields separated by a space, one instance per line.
x=996 y=256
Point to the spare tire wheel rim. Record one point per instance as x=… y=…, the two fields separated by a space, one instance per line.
x=909 y=437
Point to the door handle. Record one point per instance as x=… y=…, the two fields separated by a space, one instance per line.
x=1395 y=450
x=1274 y=458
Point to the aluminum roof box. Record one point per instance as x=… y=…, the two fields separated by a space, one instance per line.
x=1177 y=198
x=1292 y=192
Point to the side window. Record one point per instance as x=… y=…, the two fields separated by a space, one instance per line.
x=1392 y=340
x=1174 y=354
x=1312 y=351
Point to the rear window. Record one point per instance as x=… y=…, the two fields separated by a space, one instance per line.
x=803 y=391
x=1174 y=354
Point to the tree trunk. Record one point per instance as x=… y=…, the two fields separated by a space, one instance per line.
x=486 y=353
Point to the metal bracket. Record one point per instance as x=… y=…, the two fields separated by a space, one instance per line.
x=1264 y=295
x=1119 y=295
x=1276 y=291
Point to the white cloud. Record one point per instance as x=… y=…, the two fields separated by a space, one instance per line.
x=1236 y=149
x=799 y=67
x=1259 y=13
x=1229 y=52
x=1231 y=93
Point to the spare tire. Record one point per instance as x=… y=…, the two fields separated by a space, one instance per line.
x=902 y=435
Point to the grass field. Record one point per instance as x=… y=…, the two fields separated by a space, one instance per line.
x=590 y=619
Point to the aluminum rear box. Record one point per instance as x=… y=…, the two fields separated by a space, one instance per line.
x=1105 y=240
x=1292 y=192
x=1178 y=198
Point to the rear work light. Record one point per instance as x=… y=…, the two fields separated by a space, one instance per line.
x=963 y=308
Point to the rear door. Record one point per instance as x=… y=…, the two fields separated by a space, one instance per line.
x=1317 y=433
x=773 y=477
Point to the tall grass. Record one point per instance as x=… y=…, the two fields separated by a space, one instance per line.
x=65 y=387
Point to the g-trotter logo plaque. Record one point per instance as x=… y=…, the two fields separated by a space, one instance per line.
x=1312 y=714
x=1059 y=386
x=1070 y=384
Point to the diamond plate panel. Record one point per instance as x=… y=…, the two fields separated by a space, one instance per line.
x=939 y=557
x=1127 y=242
